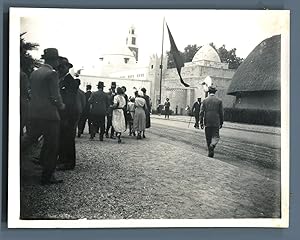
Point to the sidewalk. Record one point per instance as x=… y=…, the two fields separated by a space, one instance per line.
x=232 y=125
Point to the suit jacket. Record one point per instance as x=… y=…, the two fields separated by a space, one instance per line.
x=86 y=109
x=81 y=101
x=211 y=111
x=68 y=90
x=196 y=107
x=45 y=96
x=99 y=103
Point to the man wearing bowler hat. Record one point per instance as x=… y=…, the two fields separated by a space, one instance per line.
x=99 y=105
x=212 y=113
x=43 y=111
x=69 y=116
x=111 y=95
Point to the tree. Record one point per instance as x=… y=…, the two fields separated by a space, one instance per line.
x=230 y=57
x=27 y=62
x=225 y=55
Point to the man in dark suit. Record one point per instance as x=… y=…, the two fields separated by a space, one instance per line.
x=212 y=114
x=69 y=116
x=99 y=105
x=111 y=95
x=196 y=112
x=85 y=113
x=43 y=111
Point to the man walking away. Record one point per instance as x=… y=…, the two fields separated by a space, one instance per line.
x=196 y=112
x=212 y=114
x=43 y=112
x=99 y=105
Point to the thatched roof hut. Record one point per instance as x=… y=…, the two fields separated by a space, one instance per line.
x=260 y=71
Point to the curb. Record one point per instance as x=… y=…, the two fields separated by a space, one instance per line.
x=229 y=127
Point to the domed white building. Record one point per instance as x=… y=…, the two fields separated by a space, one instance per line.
x=206 y=53
x=120 y=65
x=206 y=64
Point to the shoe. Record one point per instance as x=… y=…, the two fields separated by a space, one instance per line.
x=133 y=133
x=139 y=136
x=119 y=140
x=144 y=136
x=51 y=180
x=112 y=137
x=106 y=135
x=101 y=138
x=211 y=150
x=78 y=135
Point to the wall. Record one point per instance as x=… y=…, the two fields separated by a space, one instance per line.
x=259 y=100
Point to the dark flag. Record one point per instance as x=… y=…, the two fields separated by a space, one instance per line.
x=176 y=56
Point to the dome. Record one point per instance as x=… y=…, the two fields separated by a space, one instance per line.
x=207 y=53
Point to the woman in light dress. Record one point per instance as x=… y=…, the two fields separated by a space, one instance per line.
x=118 y=119
x=139 y=121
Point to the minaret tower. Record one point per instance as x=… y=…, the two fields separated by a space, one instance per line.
x=131 y=42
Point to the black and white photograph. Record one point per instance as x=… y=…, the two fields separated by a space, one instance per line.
x=142 y=118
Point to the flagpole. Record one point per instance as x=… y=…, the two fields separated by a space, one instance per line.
x=161 y=60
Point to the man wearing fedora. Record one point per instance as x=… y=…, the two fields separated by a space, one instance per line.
x=86 y=112
x=99 y=105
x=211 y=116
x=69 y=116
x=43 y=112
x=111 y=94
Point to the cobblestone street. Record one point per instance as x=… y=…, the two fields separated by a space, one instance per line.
x=167 y=175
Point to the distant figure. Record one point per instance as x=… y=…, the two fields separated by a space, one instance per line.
x=85 y=112
x=212 y=113
x=99 y=105
x=176 y=110
x=148 y=107
x=139 y=120
x=118 y=118
x=111 y=95
x=167 y=108
x=131 y=110
x=196 y=112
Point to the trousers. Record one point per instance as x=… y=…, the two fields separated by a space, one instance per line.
x=212 y=135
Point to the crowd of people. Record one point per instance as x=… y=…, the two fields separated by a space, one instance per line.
x=55 y=109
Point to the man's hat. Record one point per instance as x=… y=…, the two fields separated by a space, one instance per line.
x=64 y=60
x=212 y=89
x=143 y=90
x=89 y=86
x=113 y=84
x=100 y=84
x=50 y=53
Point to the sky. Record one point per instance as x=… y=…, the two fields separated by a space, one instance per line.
x=84 y=35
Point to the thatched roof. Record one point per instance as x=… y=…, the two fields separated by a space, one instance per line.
x=260 y=71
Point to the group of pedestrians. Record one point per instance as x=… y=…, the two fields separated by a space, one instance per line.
x=53 y=108
x=112 y=113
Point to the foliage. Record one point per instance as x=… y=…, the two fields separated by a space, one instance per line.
x=226 y=56
x=27 y=62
